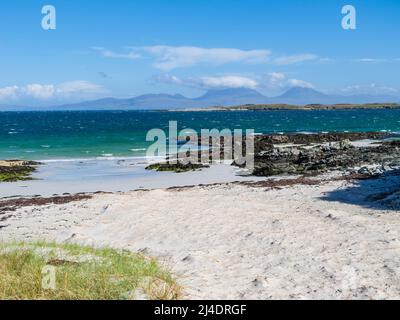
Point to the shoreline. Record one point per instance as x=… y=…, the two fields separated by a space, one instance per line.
x=275 y=155
x=115 y=176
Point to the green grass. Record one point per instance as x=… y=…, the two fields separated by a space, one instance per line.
x=82 y=273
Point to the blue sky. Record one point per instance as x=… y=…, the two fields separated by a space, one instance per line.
x=125 y=48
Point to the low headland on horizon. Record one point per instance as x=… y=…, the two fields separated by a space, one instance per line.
x=287 y=107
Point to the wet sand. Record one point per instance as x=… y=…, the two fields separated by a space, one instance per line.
x=119 y=175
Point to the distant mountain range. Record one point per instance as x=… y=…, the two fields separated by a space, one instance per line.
x=223 y=97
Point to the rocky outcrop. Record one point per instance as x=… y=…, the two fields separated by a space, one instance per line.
x=318 y=155
x=307 y=139
x=177 y=167
x=310 y=154
x=15 y=170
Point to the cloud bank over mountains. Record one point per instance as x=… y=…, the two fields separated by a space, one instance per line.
x=272 y=83
x=219 y=91
x=73 y=90
x=216 y=97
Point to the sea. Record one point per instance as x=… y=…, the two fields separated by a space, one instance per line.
x=65 y=135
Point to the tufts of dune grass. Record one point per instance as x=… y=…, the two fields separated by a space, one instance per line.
x=80 y=273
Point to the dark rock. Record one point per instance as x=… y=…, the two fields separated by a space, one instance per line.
x=311 y=154
x=307 y=139
x=177 y=167
x=16 y=170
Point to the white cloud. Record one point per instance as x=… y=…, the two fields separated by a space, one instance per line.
x=299 y=83
x=372 y=88
x=8 y=93
x=78 y=87
x=276 y=82
x=168 y=79
x=326 y=60
x=369 y=60
x=228 y=82
x=169 y=58
x=273 y=82
x=286 y=60
x=74 y=89
x=210 y=82
x=38 y=91
x=132 y=55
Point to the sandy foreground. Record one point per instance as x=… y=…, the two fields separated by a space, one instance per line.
x=233 y=241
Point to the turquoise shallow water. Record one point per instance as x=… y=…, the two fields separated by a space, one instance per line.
x=91 y=134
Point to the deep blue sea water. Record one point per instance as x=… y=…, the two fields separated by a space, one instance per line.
x=91 y=134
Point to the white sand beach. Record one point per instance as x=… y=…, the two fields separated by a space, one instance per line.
x=232 y=241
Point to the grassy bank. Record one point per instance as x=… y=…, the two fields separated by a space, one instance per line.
x=80 y=273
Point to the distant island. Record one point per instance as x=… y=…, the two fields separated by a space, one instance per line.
x=269 y=107
x=231 y=98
